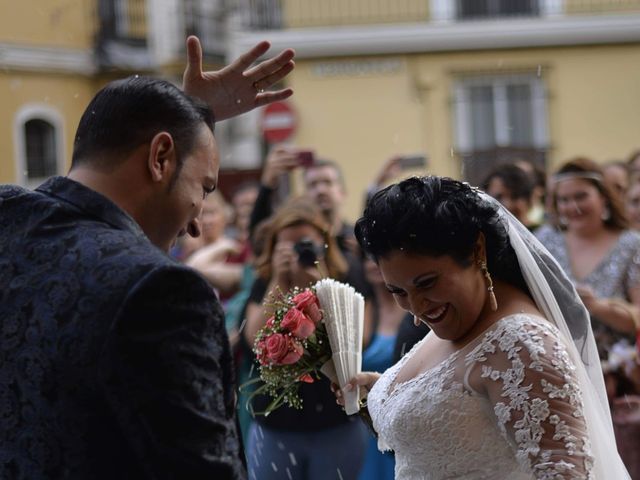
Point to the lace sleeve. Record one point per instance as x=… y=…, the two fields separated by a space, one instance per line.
x=523 y=367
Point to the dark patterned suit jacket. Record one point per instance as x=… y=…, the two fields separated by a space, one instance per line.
x=114 y=360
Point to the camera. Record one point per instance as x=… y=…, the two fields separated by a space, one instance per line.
x=308 y=252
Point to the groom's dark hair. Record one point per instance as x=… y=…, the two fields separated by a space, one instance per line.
x=127 y=113
x=437 y=216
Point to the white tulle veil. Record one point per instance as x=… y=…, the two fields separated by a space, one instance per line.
x=556 y=297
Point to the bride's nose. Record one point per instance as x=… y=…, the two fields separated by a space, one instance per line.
x=417 y=303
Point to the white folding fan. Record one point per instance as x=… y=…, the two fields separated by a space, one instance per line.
x=343 y=316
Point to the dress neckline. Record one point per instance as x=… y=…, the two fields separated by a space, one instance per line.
x=393 y=385
x=606 y=258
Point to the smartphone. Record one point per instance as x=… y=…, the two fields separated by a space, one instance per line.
x=306 y=158
x=413 y=161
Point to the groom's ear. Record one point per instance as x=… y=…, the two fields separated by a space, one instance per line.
x=480 y=250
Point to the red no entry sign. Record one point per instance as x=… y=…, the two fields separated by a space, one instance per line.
x=278 y=122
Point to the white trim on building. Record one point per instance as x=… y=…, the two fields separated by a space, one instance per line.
x=552 y=29
x=66 y=60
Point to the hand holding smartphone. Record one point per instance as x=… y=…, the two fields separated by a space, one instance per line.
x=306 y=158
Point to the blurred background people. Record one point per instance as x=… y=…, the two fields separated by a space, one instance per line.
x=634 y=162
x=633 y=202
x=513 y=188
x=219 y=257
x=212 y=258
x=383 y=317
x=243 y=199
x=538 y=211
x=324 y=185
x=297 y=250
x=594 y=246
x=616 y=174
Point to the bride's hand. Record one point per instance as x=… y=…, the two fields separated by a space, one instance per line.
x=366 y=380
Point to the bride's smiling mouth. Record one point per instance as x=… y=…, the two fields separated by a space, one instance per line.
x=435 y=315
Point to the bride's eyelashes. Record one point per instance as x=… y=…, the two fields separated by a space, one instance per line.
x=422 y=285
x=395 y=291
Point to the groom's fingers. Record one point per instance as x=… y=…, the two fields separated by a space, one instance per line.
x=194 y=57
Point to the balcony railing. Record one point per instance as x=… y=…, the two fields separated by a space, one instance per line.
x=123 y=20
x=207 y=19
x=282 y=14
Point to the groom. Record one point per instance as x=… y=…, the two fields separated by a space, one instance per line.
x=114 y=361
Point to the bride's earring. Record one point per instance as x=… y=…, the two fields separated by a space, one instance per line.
x=416 y=321
x=492 y=296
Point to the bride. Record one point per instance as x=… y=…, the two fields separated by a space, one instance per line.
x=508 y=383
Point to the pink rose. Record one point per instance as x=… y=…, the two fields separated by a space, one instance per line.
x=308 y=303
x=271 y=322
x=261 y=352
x=306 y=378
x=282 y=349
x=298 y=323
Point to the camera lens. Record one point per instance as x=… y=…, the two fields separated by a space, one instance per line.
x=307 y=251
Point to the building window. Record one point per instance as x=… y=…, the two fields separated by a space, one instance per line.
x=498 y=119
x=454 y=10
x=40 y=144
x=472 y=9
x=39 y=141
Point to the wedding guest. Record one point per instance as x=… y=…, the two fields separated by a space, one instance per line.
x=513 y=188
x=633 y=204
x=114 y=360
x=384 y=316
x=407 y=334
x=592 y=243
x=634 y=162
x=507 y=384
x=212 y=259
x=320 y=440
x=538 y=212
x=323 y=183
x=616 y=174
x=243 y=199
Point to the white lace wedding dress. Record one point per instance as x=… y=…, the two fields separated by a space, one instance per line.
x=506 y=406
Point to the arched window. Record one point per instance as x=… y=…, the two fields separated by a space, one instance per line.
x=40 y=144
x=38 y=133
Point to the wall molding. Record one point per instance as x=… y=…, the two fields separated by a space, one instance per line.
x=63 y=60
x=550 y=31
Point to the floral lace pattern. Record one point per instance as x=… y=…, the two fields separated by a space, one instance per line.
x=506 y=406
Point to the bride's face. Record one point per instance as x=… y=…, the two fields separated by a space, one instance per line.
x=438 y=290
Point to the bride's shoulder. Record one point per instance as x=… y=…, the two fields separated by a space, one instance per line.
x=519 y=326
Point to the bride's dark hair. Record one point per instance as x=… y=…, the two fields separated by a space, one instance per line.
x=437 y=216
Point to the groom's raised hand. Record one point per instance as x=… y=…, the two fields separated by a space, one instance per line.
x=238 y=87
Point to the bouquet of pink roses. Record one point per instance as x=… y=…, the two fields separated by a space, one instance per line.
x=316 y=329
x=291 y=347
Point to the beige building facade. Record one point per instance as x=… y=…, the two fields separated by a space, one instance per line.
x=56 y=54
x=544 y=81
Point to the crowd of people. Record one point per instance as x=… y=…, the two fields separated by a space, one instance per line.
x=583 y=213
x=119 y=361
